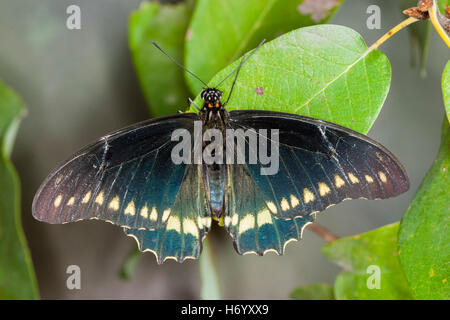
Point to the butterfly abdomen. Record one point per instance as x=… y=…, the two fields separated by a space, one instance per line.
x=215 y=178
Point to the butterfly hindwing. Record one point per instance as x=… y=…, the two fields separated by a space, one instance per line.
x=320 y=164
x=127 y=178
x=249 y=221
x=181 y=236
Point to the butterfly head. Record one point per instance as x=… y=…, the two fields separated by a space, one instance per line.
x=211 y=98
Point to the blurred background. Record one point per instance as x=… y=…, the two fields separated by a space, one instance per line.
x=79 y=85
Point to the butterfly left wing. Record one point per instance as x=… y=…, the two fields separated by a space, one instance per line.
x=319 y=164
x=181 y=236
x=127 y=178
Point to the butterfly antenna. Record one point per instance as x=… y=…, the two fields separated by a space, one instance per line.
x=179 y=64
x=239 y=69
x=193 y=103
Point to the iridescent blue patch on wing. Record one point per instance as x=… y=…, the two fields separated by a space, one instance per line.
x=253 y=227
x=320 y=164
x=117 y=178
x=185 y=226
x=167 y=244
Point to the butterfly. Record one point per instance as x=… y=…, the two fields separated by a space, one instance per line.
x=130 y=178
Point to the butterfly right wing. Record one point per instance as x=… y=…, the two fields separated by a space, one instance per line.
x=253 y=227
x=127 y=178
x=319 y=163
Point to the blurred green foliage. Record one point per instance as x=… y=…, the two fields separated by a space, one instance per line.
x=315 y=291
x=17 y=279
x=424 y=238
x=161 y=80
x=222 y=30
x=446 y=89
x=367 y=259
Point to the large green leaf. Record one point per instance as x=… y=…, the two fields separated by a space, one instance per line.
x=222 y=30
x=424 y=237
x=17 y=279
x=446 y=89
x=361 y=256
x=315 y=291
x=323 y=71
x=161 y=80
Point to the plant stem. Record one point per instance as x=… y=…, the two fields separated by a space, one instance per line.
x=210 y=289
x=322 y=232
x=130 y=264
x=391 y=32
x=433 y=11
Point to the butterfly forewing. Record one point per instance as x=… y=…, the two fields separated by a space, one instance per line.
x=127 y=178
x=320 y=164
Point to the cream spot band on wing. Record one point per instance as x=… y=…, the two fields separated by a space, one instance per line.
x=115 y=203
x=86 y=198
x=144 y=212
x=264 y=217
x=294 y=201
x=284 y=204
x=323 y=189
x=227 y=221
x=99 y=199
x=130 y=209
x=71 y=201
x=200 y=222
x=338 y=182
x=173 y=224
x=382 y=176
x=154 y=214
x=206 y=221
x=308 y=195
x=166 y=214
x=189 y=226
x=368 y=178
x=272 y=207
x=246 y=223
x=57 y=201
x=352 y=178
x=234 y=219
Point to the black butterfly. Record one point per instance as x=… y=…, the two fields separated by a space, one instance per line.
x=129 y=178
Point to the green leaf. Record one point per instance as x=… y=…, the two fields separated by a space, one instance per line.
x=222 y=30
x=361 y=257
x=17 y=279
x=315 y=291
x=446 y=89
x=161 y=80
x=424 y=237
x=210 y=289
x=323 y=71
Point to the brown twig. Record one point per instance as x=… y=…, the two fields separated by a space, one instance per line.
x=428 y=10
x=322 y=232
